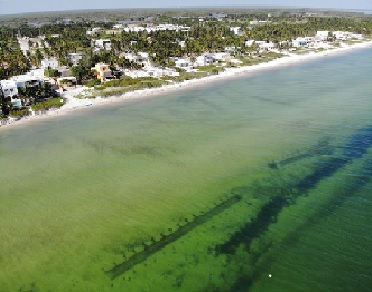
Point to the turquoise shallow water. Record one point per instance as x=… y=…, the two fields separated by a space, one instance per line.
x=209 y=189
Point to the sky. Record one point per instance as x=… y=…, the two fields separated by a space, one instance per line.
x=20 y=6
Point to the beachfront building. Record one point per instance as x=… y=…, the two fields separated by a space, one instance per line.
x=221 y=58
x=141 y=58
x=320 y=45
x=23 y=81
x=268 y=46
x=342 y=35
x=63 y=71
x=75 y=58
x=66 y=82
x=10 y=90
x=322 y=35
x=204 y=60
x=102 y=72
x=154 y=72
x=15 y=84
x=358 y=36
x=9 y=87
x=183 y=63
x=300 y=43
x=49 y=63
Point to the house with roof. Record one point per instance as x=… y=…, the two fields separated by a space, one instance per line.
x=23 y=81
x=341 y=35
x=49 y=63
x=300 y=43
x=93 y=31
x=66 y=82
x=10 y=90
x=268 y=46
x=141 y=58
x=183 y=63
x=204 y=60
x=103 y=44
x=75 y=58
x=12 y=87
x=154 y=72
x=322 y=35
x=237 y=30
x=221 y=58
x=102 y=72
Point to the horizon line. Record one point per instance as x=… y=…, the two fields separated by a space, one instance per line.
x=255 y=6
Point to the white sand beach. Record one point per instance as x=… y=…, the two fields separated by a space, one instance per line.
x=76 y=102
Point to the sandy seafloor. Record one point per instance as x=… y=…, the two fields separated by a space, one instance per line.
x=213 y=187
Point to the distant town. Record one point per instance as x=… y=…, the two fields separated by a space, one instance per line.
x=41 y=56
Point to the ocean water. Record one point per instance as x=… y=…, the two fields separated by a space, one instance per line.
x=259 y=183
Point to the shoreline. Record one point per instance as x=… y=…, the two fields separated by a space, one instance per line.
x=74 y=103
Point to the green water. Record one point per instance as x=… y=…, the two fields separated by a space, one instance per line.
x=84 y=195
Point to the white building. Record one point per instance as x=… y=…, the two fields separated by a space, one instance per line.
x=154 y=72
x=237 y=30
x=358 y=36
x=160 y=27
x=268 y=46
x=320 y=45
x=9 y=87
x=183 y=63
x=322 y=35
x=222 y=57
x=22 y=81
x=118 y=26
x=93 y=30
x=249 y=43
x=51 y=63
x=204 y=60
x=141 y=58
x=75 y=58
x=37 y=73
x=341 y=35
x=300 y=43
x=26 y=43
x=103 y=44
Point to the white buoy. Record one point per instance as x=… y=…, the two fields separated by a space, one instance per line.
x=270 y=275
